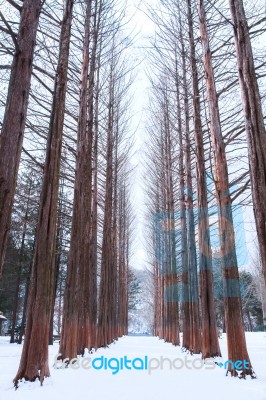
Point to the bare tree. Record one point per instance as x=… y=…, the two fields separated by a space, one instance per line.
x=76 y=319
x=237 y=349
x=34 y=359
x=254 y=121
x=13 y=127
x=210 y=344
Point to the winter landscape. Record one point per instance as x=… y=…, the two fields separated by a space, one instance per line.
x=138 y=384
x=132 y=199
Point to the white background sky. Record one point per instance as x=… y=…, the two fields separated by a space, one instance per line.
x=144 y=28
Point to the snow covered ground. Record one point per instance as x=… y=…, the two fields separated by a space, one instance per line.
x=101 y=384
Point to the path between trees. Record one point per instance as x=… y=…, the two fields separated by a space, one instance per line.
x=113 y=380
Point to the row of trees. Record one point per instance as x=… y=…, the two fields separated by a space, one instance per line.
x=202 y=134
x=64 y=145
x=64 y=139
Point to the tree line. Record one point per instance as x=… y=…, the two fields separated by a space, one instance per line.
x=65 y=152
x=66 y=220
x=206 y=120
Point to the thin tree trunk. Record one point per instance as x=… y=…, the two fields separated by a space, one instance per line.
x=114 y=237
x=106 y=295
x=20 y=266
x=263 y=300
x=94 y=225
x=172 y=315
x=57 y=262
x=249 y=321
x=183 y=229
x=195 y=334
x=23 y=321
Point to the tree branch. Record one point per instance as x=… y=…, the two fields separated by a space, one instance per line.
x=14 y=4
x=10 y=31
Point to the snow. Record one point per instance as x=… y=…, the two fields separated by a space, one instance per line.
x=207 y=384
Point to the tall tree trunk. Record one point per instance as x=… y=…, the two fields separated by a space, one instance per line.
x=183 y=229
x=173 y=304
x=172 y=309
x=93 y=102
x=84 y=193
x=13 y=127
x=254 y=122
x=210 y=344
x=34 y=359
x=106 y=295
x=236 y=341
x=75 y=326
x=157 y=298
x=122 y=263
x=195 y=334
x=114 y=236
x=59 y=238
x=94 y=224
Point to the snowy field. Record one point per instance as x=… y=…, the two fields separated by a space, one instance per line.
x=103 y=384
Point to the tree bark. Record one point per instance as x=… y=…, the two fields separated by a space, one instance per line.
x=236 y=341
x=59 y=238
x=34 y=359
x=183 y=232
x=13 y=127
x=210 y=344
x=75 y=328
x=195 y=333
x=106 y=294
x=254 y=122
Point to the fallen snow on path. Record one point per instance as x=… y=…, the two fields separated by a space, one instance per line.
x=68 y=384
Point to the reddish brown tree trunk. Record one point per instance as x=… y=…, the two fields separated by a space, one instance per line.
x=122 y=264
x=108 y=274
x=172 y=309
x=94 y=223
x=93 y=131
x=34 y=359
x=84 y=192
x=254 y=122
x=236 y=341
x=195 y=333
x=15 y=115
x=59 y=239
x=183 y=268
x=210 y=344
x=75 y=328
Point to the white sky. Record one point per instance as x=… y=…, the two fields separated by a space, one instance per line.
x=143 y=27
